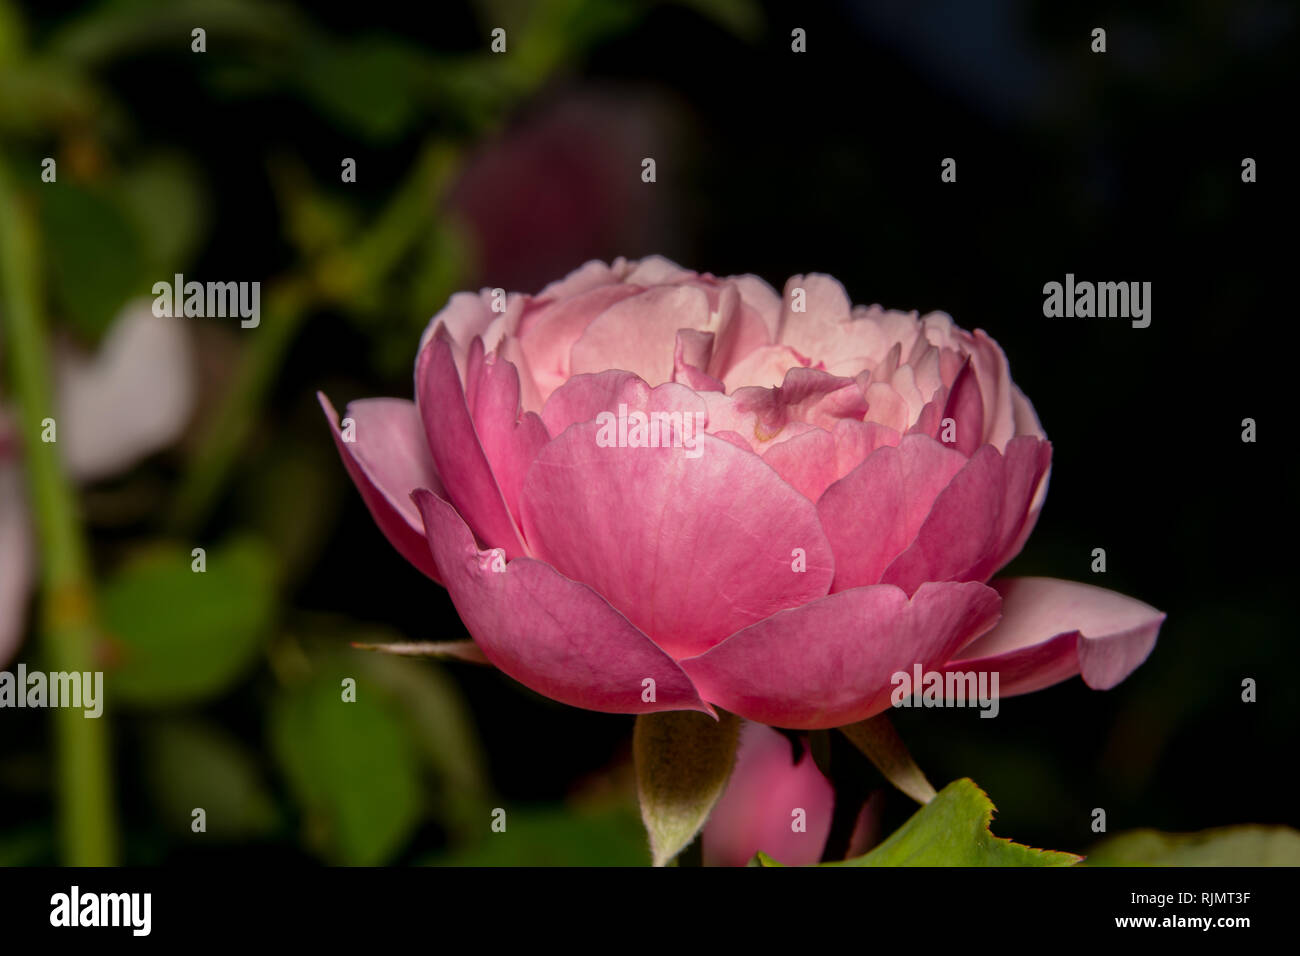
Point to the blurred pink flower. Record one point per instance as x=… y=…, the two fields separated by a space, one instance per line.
x=564 y=184
x=771 y=804
x=859 y=474
x=132 y=398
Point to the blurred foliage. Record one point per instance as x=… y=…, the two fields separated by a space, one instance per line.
x=180 y=636
x=1224 y=846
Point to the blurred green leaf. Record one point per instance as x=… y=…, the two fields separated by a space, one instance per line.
x=439 y=721
x=121 y=27
x=352 y=767
x=1248 y=845
x=191 y=765
x=557 y=836
x=369 y=85
x=183 y=635
x=95 y=253
x=952 y=830
x=165 y=200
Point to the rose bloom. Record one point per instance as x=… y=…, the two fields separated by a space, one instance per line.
x=859 y=477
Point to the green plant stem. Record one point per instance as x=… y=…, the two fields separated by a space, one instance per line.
x=86 y=825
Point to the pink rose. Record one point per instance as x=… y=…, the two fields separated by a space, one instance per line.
x=647 y=489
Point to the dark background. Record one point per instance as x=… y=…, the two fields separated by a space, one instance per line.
x=1123 y=166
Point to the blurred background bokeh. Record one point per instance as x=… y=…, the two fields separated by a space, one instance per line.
x=511 y=169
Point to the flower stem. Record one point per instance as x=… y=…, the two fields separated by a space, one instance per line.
x=86 y=824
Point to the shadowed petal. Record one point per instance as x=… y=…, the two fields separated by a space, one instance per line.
x=1051 y=630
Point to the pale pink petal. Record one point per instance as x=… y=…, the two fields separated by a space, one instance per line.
x=637 y=334
x=556 y=636
x=830 y=662
x=1051 y=630
x=387 y=461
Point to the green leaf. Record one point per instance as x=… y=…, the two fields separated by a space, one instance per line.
x=165 y=201
x=683 y=759
x=951 y=830
x=180 y=635
x=1248 y=845
x=352 y=768
x=96 y=256
x=369 y=86
x=191 y=764
x=609 y=835
x=440 y=725
x=877 y=738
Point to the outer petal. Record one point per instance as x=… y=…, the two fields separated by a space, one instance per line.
x=690 y=549
x=457 y=453
x=756 y=810
x=1052 y=630
x=388 y=461
x=830 y=662
x=554 y=635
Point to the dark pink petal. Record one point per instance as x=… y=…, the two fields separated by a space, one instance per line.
x=690 y=549
x=768 y=791
x=457 y=454
x=510 y=437
x=555 y=636
x=966 y=409
x=977 y=519
x=830 y=662
x=1051 y=630
x=388 y=460
x=873 y=513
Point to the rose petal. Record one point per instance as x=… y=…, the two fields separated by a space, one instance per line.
x=874 y=513
x=388 y=460
x=556 y=636
x=690 y=549
x=457 y=454
x=1051 y=630
x=830 y=662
